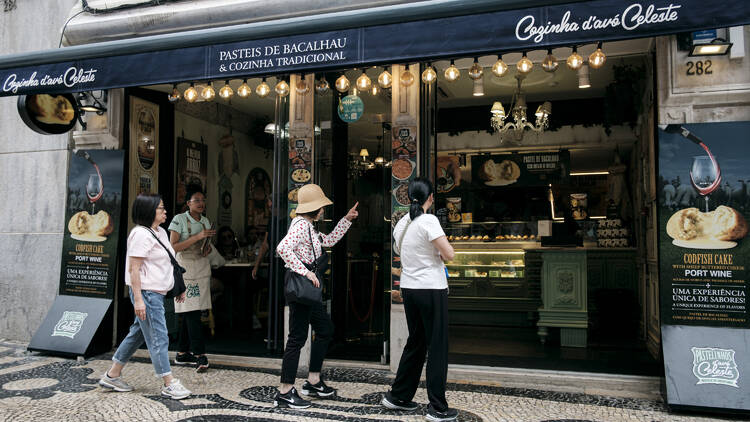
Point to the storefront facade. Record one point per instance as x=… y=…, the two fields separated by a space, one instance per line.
x=505 y=276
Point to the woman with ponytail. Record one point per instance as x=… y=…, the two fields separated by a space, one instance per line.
x=422 y=245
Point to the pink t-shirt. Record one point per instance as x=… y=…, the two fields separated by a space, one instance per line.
x=156 y=270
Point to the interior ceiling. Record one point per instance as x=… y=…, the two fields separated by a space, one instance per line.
x=538 y=86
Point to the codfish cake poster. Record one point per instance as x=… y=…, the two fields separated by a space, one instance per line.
x=92 y=220
x=704 y=208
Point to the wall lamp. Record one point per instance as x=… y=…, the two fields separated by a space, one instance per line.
x=717 y=47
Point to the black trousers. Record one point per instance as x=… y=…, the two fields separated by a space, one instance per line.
x=300 y=317
x=191 y=333
x=427 y=319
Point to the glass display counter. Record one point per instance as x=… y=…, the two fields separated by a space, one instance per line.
x=491 y=231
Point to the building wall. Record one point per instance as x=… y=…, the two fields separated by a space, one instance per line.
x=32 y=196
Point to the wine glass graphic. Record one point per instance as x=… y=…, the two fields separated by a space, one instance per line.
x=94 y=189
x=705 y=176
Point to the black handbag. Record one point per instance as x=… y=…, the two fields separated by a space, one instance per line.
x=179 y=282
x=300 y=289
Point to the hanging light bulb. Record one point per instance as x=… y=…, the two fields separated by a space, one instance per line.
x=583 y=77
x=226 y=91
x=302 y=87
x=174 y=95
x=429 y=75
x=342 y=84
x=208 y=92
x=574 y=60
x=191 y=94
x=524 y=65
x=282 y=88
x=363 y=82
x=452 y=73
x=499 y=68
x=385 y=79
x=406 y=77
x=478 y=89
x=476 y=71
x=549 y=64
x=322 y=86
x=597 y=58
x=263 y=89
x=375 y=90
x=244 y=90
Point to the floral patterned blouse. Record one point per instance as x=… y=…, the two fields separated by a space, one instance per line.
x=296 y=244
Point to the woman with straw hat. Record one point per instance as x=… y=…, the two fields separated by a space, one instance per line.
x=299 y=249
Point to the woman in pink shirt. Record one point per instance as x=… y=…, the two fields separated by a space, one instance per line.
x=148 y=272
x=299 y=248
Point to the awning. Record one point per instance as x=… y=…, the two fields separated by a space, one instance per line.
x=269 y=48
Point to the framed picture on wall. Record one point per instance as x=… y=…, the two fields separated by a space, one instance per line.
x=144 y=148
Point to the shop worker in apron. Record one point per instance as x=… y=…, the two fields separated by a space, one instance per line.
x=188 y=232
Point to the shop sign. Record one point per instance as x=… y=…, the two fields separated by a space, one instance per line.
x=92 y=212
x=533 y=169
x=48 y=114
x=351 y=108
x=703 y=211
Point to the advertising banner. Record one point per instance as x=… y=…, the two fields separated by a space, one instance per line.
x=92 y=214
x=703 y=256
x=703 y=210
x=534 y=169
x=192 y=169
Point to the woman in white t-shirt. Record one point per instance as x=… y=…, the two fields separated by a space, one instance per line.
x=149 y=274
x=422 y=245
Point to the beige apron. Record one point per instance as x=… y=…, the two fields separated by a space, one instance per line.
x=197 y=278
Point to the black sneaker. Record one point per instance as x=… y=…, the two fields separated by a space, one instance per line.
x=446 y=416
x=185 y=359
x=202 y=363
x=317 y=390
x=291 y=400
x=391 y=402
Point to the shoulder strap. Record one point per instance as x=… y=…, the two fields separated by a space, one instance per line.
x=171 y=258
x=401 y=240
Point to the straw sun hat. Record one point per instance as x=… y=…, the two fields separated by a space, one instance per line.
x=311 y=198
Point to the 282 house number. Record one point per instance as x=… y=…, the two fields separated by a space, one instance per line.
x=699 y=67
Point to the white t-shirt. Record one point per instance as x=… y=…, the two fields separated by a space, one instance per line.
x=421 y=266
x=156 y=270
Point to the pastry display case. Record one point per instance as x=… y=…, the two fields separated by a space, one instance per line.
x=492 y=231
x=473 y=264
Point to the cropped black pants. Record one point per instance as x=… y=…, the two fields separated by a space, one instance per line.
x=427 y=320
x=300 y=317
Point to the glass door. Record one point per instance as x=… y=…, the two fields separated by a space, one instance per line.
x=352 y=153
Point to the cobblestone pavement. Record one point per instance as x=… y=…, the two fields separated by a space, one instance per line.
x=42 y=388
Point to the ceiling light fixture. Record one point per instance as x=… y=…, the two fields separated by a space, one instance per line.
x=191 y=94
x=226 y=91
x=406 y=77
x=524 y=65
x=244 y=90
x=583 y=77
x=597 y=58
x=374 y=90
x=263 y=89
x=476 y=71
x=302 y=87
x=322 y=87
x=342 y=84
x=452 y=73
x=515 y=130
x=575 y=60
x=208 y=93
x=174 y=95
x=499 y=68
x=429 y=75
x=385 y=79
x=478 y=89
x=282 y=88
x=549 y=64
x=364 y=82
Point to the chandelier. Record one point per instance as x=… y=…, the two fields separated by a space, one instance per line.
x=515 y=130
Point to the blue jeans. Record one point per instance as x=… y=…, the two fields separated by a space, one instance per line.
x=152 y=330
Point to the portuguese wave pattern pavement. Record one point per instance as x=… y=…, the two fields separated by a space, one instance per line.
x=42 y=388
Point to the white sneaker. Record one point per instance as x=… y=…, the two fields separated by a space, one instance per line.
x=175 y=390
x=117 y=384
